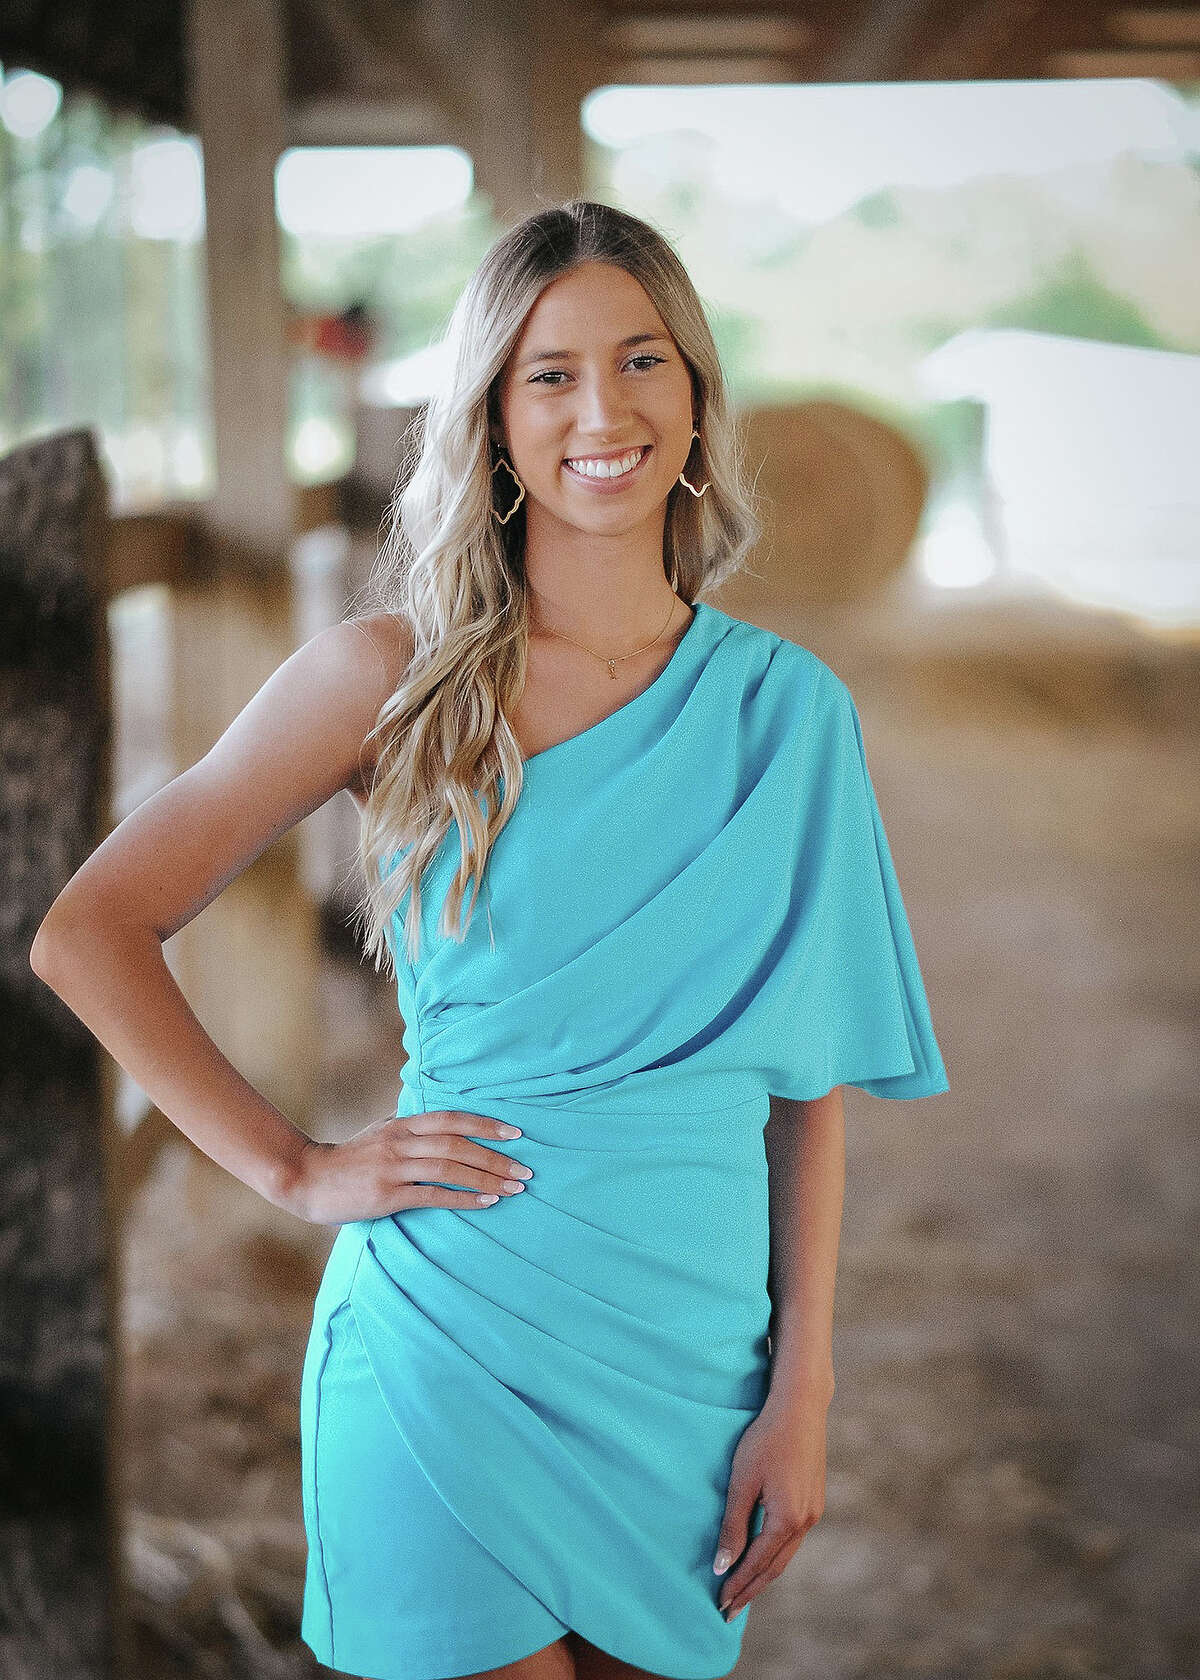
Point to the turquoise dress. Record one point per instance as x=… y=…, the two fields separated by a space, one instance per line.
x=520 y=1419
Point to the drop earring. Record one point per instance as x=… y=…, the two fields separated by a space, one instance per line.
x=683 y=480
x=505 y=462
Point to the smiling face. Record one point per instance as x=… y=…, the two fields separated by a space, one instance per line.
x=595 y=383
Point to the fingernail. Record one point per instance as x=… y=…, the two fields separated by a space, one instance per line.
x=722 y=1561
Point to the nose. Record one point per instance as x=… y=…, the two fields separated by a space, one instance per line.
x=603 y=406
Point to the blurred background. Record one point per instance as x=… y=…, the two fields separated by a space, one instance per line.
x=951 y=257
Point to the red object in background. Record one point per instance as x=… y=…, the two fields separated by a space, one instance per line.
x=344 y=337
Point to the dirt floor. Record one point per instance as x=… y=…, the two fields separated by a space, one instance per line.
x=1014 y=1455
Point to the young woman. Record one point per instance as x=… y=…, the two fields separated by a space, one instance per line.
x=623 y=858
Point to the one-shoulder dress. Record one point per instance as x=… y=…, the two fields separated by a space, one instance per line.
x=520 y=1419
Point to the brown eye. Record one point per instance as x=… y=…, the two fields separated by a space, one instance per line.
x=556 y=374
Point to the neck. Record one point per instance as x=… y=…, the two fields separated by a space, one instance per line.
x=606 y=589
x=612 y=623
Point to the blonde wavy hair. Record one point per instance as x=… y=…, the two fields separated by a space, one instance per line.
x=456 y=576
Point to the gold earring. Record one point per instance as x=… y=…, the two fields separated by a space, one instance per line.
x=505 y=462
x=683 y=480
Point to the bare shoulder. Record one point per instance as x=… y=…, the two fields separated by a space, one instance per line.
x=392 y=639
x=296 y=743
x=378 y=648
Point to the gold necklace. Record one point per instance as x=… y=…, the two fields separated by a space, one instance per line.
x=613 y=661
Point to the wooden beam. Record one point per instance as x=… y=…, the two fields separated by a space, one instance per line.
x=690 y=34
x=567 y=60
x=489 y=56
x=248 y=963
x=236 y=64
x=1155 y=26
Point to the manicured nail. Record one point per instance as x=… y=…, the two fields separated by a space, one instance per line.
x=722 y=1561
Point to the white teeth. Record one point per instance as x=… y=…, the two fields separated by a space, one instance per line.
x=606 y=469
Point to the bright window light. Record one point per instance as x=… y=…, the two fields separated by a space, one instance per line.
x=816 y=151
x=87 y=195
x=168 y=190
x=29 y=102
x=351 y=192
x=953 y=553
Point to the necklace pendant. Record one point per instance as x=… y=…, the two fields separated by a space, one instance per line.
x=612 y=667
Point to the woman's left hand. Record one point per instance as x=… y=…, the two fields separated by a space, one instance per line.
x=780 y=1462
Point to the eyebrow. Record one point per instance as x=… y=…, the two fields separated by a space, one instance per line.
x=568 y=355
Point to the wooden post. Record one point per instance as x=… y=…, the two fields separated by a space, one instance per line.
x=58 y=1389
x=567 y=61
x=248 y=963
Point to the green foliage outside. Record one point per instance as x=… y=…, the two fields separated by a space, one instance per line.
x=105 y=327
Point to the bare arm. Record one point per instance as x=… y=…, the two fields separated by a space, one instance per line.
x=806 y=1158
x=99 y=947
x=780 y=1459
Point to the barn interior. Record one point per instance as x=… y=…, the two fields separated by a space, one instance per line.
x=971 y=400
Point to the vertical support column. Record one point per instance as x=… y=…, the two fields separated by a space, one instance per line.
x=236 y=79
x=248 y=963
x=64 y=1602
x=518 y=70
x=567 y=62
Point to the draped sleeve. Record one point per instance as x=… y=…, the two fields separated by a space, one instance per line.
x=854 y=1009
